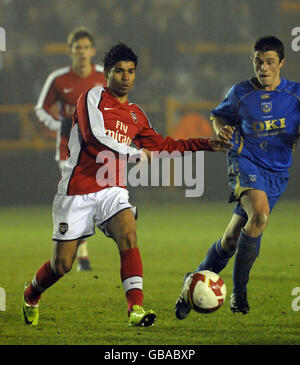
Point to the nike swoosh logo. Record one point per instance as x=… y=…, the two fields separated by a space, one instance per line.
x=67 y=91
x=136 y=282
x=108 y=108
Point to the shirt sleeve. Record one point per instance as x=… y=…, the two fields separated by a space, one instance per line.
x=45 y=101
x=91 y=124
x=227 y=109
x=148 y=138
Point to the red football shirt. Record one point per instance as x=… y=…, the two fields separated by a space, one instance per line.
x=102 y=126
x=64 y=87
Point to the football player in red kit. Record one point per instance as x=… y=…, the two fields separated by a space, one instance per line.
x=63 y=87
x=104 y=121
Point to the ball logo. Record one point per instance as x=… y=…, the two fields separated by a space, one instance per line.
x=216 y=286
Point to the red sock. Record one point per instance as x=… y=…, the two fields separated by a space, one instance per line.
x=132 y=276
x=43 y=279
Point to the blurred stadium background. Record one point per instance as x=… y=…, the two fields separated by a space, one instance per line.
x=190 y=53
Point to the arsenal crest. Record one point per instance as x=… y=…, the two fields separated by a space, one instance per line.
x=134 y=117
x=266 y=107
x=63 y=227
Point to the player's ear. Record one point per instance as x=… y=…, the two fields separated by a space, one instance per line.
x=106 y=73
x=282 y=62
x=70 y=52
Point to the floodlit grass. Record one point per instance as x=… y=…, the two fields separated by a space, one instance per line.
x=89 y=308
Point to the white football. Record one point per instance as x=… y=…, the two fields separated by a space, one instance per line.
x=205 y=291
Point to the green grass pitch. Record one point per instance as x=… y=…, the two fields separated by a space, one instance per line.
x=90 y=308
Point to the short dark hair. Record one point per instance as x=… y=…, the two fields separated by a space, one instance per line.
x=270 y=43
x=79 y=33
x=119 y=52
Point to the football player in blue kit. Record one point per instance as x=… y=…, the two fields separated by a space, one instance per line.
x=261 y=117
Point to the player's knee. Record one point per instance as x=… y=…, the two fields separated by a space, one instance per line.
x=259 y=219
x=62 y=266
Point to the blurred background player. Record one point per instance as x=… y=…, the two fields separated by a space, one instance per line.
x=263 y=117
x=104 y=125
x=62 y=88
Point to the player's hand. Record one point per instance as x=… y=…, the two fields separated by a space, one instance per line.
x=225 y=133
x=146 y=155
x=218 y=144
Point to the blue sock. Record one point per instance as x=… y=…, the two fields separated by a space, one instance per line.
x=258 y=245
x=216 y=258
x=247 y=252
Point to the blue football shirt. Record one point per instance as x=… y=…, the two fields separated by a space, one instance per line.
x=267 y=122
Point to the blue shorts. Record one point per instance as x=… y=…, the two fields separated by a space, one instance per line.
x=243 y=175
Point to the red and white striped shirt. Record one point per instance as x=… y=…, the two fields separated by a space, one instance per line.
x=102 y=124
x=64 y=87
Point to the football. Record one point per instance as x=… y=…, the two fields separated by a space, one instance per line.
x=205 y=291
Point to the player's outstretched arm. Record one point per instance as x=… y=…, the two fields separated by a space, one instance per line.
x=218 y=144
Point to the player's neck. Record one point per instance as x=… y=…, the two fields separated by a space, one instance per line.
x=268 y=87
x=122 y=99
x=273 y=86
x=82 y=71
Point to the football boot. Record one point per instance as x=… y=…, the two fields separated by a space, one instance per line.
x=138 y=317
x=238 y=303
x=30 y=314
x=182 y=308
x=83 y=264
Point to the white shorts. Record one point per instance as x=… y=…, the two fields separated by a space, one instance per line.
x=75 y=216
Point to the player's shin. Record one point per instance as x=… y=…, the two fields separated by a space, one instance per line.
x=82 y=250
x=216 y=258
x=247 y=252
x=43 y=279
x=132 y=276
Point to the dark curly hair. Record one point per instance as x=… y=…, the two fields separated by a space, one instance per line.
x=119 y=52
